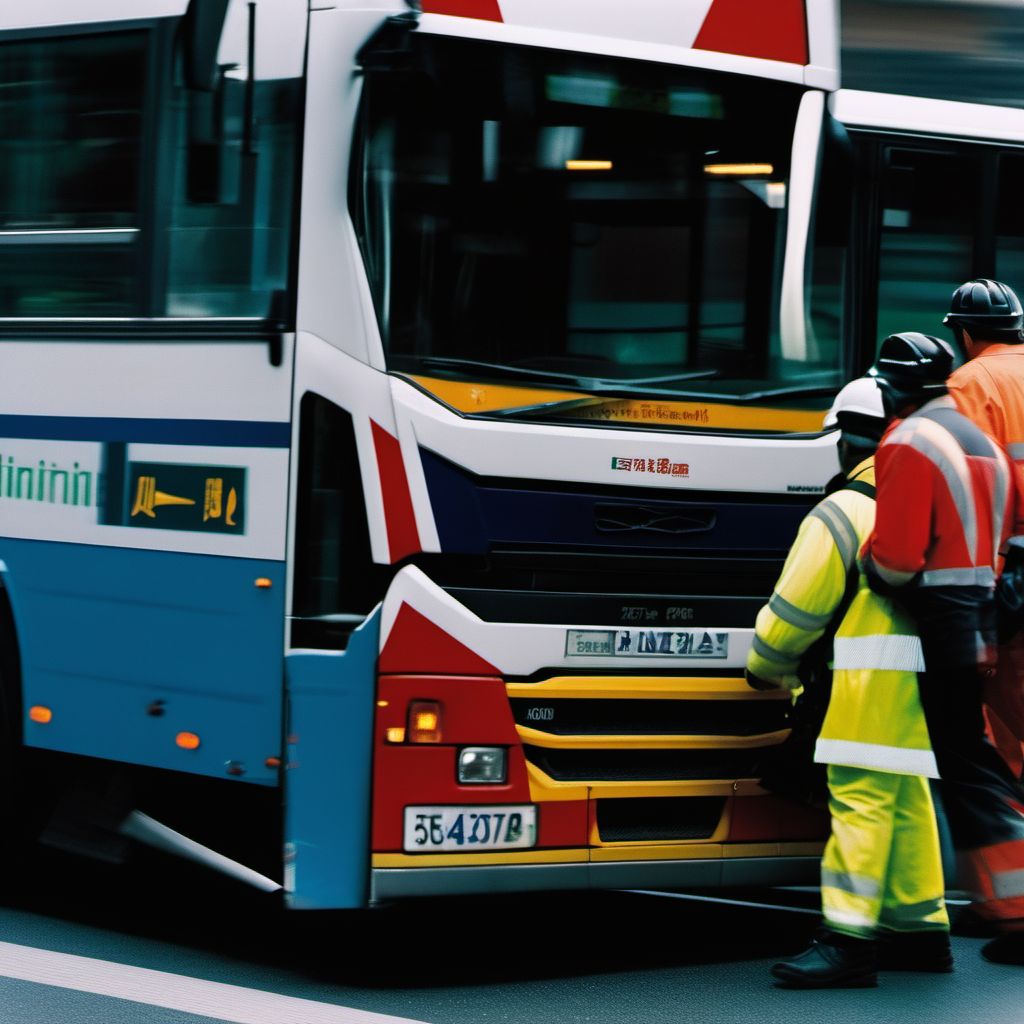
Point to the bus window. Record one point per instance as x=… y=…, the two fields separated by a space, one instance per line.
x=1010 y=221
x=584 y=222
x=123 y=192
x=70 y=143
x=831 y=243
x=336 y=583
x=928 y=216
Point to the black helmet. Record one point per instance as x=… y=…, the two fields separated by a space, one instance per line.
x=912 y=368
x=988 y=309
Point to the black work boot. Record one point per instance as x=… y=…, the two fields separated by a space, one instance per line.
x=1007 y=948
x=833 y=961
x=927 y=951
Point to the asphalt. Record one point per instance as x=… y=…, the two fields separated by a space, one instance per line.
x=607 y=958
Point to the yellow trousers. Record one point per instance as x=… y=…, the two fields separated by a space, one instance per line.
x=882 y=868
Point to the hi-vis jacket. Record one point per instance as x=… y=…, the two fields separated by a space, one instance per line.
x=951 y=503
x=874 y=717
x=989 y=390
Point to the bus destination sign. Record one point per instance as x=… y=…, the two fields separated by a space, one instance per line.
x=648 y=643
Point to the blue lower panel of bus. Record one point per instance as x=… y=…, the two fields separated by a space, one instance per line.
x=129 y=648
x=328 y=778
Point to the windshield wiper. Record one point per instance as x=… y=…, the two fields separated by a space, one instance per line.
x=500 y=369
x=574 y=380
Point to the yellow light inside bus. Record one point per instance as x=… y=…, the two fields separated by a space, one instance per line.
x=187 y=740
x=396 y=734
x=739 y=170
x=40 y=714
x=588 y=165
x=424 y=721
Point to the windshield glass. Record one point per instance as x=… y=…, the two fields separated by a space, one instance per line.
x=552 y=224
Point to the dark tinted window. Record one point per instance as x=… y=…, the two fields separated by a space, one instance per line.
x=929 y=217
x=548 y=216
x=124 y=192
x=71 y=113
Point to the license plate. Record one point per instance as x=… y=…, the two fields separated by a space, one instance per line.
x=645 y=643
x=471 y=829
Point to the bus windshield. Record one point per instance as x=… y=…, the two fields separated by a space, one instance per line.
x=581 y=231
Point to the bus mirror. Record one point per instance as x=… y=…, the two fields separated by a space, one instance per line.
x=202 y=29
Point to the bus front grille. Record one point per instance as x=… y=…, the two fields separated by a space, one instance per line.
x=565 y=765
x=662 y=819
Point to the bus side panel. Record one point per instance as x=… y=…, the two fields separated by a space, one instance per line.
x=329 y=772
x=128 y=648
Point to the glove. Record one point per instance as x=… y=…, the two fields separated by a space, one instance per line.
x=757 y=683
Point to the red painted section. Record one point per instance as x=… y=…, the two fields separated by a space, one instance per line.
x=772 y=29
x=773 y=819
x=399 y=517
x=421 y=774
x=474 y=710
x=415 y=644
x=488 y=10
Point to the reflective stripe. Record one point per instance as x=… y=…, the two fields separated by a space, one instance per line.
x=901 y=760
x=839 y=525
x=894 y=577
x=975 y=576
x=913 y=911
x=1002 y=485
x=1016 y=450
x=856 y=885
x=797 y=616
x=1007 y=885
x=888 y=653
x=850 y=918
x=937 y=445
x=769 y=653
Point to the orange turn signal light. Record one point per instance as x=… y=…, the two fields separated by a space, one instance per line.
x=424 y=721
x=40 y=714
x=264 y=583
x=187 y=740
x=396 y=734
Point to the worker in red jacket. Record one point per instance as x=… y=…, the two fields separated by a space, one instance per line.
x=947 y=505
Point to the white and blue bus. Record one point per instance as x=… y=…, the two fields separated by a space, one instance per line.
x=404 y=412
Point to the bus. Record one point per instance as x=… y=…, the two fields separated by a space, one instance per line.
x=406 y=409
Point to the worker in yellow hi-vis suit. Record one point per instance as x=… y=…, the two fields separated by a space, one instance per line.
x=881 y=875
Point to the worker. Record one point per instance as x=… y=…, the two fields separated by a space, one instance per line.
x=988 y=326
x=947 y=504
x=881 y=874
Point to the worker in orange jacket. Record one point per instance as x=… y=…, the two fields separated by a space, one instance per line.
x=987 y=320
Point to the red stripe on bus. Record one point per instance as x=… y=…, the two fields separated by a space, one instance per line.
x=488 y=10
x=756 y=28
x=415 y=644
x=399 y=517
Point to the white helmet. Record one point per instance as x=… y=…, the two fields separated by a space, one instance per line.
x=860 y=397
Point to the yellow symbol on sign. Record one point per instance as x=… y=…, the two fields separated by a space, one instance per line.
x=213 y=498
x=148 y=498
x=213 y=501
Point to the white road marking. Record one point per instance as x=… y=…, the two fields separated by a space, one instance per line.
x=176 y=991
x=719 y=899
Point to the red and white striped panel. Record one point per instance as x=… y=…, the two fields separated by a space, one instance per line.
x=775 y=30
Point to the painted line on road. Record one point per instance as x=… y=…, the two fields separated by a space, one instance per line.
x=176 y=991
x=719 y=899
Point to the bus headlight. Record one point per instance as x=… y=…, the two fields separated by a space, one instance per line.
x=482 y=765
